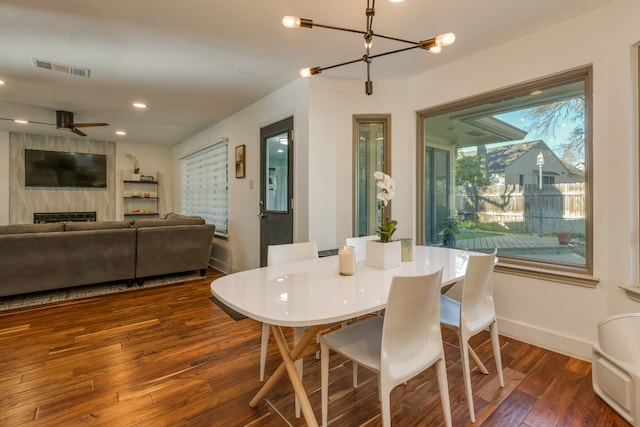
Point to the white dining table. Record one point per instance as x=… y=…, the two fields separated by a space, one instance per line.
x=312 y=294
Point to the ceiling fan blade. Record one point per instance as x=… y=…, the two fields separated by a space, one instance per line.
x=87 y=125
x=78 y=131
x=29 y=121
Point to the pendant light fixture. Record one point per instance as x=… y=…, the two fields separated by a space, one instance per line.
x=433 y=45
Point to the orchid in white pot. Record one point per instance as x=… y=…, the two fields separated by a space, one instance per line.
x=387 y=191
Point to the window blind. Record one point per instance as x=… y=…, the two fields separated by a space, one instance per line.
x=205 y=177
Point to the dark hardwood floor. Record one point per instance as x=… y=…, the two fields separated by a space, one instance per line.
x=169 y=357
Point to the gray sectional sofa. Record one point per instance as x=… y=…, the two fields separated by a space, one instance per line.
x=38 y=257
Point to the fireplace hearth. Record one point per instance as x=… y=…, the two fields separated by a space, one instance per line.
x=43 y=217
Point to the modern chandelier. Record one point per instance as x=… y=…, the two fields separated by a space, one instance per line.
x=433 y=45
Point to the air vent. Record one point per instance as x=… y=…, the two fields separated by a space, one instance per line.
x=67 y=69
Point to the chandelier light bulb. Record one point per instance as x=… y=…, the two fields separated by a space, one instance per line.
x=435 y=49
x=291 y=21
x=445 y=39
x=307 y=72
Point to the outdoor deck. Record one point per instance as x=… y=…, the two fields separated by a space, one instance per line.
x=511 y=241
x=546 y=247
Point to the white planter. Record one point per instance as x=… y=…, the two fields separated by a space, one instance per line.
x=383 y=255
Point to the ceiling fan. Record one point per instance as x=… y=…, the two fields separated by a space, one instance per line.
x=64 y=120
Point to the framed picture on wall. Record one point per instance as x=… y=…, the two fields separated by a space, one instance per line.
x=240 y=153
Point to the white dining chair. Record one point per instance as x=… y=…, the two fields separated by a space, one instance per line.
x=473 y=314
x=360 y=245
x=280 y=254
x=397 y=346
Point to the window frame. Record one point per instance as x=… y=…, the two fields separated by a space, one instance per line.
x=359 y=119
x=559 y=272
x=214 y=149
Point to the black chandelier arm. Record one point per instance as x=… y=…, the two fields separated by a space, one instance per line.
x=378 y=55
x=370 y=12
x=361 y=59
x=382 y=36
x=395 y=39
x=331 y=27
x=368 y=58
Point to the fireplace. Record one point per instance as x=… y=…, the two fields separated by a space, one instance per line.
x=42 y=217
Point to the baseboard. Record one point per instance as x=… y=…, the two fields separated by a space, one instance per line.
x=219 y=265
x=546 y=339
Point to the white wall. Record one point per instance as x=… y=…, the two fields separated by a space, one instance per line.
x=153 y=160
x=555 y=315
x=333 y=103
x=242 y=249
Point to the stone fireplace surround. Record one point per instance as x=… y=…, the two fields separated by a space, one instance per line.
x=24 y=202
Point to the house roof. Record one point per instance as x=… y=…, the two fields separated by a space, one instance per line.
x=500 y=157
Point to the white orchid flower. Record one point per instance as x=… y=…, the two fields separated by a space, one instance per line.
x=387 y=185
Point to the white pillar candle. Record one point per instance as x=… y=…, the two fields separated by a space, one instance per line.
x=347 y=260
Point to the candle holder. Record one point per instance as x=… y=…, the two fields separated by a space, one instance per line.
x=347 y=260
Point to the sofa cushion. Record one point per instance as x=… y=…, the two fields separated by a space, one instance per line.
x=32 y=228
x=139 y=223
x=95 y=225
x=173 y=215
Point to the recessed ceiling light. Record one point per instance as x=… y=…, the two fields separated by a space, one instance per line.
x=120 y=132
x=22 y=122
x=139 y=105
x=2 y=82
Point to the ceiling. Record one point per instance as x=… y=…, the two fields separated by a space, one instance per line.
x=196 y=62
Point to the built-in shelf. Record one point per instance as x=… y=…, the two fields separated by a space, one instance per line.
x=128 y=181
x=140 y=205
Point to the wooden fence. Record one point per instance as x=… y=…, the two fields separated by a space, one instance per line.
x=554 y=208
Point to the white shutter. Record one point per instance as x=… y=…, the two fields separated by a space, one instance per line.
x=205 y=177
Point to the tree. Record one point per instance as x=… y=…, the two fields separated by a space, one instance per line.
x=547 y=119
x=469 y=173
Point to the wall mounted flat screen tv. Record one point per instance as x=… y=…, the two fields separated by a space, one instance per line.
x=64 y=169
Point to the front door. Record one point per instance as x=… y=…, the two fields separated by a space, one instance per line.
x=276 y=185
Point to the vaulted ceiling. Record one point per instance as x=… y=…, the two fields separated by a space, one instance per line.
x=196 y=62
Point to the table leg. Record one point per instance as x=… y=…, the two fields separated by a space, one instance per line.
x=477 y=361
x=288 y=365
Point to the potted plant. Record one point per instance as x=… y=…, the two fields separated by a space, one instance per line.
x=134 y=163
x=449 y=228
x=563 y=237
x=386 y=252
